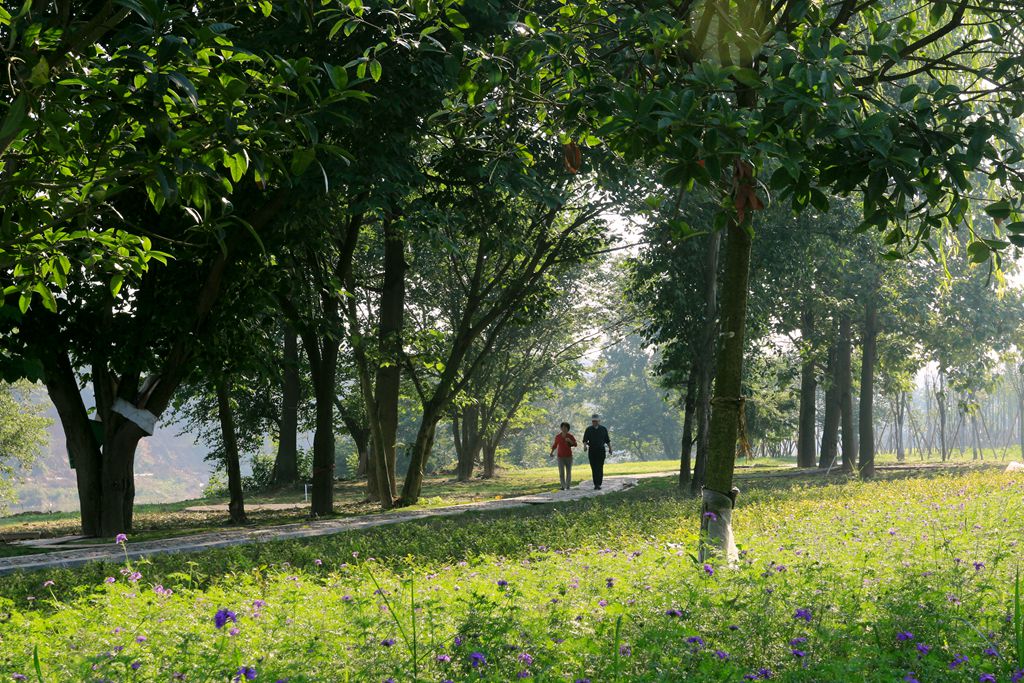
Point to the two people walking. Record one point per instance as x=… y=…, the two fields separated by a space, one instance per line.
x=595 y=441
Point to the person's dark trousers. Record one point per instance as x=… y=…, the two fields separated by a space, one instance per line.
x=596 y=466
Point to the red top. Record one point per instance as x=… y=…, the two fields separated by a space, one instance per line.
x=564 y=443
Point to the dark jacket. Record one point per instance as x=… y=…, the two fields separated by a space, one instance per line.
x=596 y=438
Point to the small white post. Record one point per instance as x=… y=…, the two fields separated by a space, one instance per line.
x=305 y=493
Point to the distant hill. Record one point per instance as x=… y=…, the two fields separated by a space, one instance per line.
x=168 y=468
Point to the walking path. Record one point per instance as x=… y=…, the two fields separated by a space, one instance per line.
x=75 y=555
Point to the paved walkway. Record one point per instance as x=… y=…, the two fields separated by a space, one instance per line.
x=78 y=555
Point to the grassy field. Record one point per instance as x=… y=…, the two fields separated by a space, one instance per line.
x=909 y=577
x=172 y=519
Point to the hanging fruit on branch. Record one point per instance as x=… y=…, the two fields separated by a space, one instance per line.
x=572 y=157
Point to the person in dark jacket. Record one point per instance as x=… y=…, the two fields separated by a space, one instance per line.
x=595 y=439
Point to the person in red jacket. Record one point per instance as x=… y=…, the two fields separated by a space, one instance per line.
x=564 y=443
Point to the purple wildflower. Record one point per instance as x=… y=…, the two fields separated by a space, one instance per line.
x=223 y=616
x=1017 y=676
x=387 y=642
x=957 y=661
x=803 y=613
x=109 y=579
x=234 y=631
x=458 y=641
x=923 y=649
x=711 y=516
x=904 y=636
x=526 y=658
x=502 y=583
x=708 y=569
x=625 y=650
x=602 y=603
x=978 y=566
x=990 y=651
x=121 y=538
x=722 y=655
x=136 y=665
x=246 y=672
x=477 y=659
x=141 y=639
x=673 y=613
x=797 y=641
x=48 y=583
x=798 y=653
x=695 y=640
x=911 y=677
x=444 y=659
x=610 y=582
x=987 y=678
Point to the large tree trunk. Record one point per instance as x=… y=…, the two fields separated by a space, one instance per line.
x=845 y=371
x=686 y=447
x=420 y=453
x=719 y=497
x=805 y=447
x=705 y=360
x=490 y=451
x=286 y=464
x=323 y=437
x=830 y=426
x=468 y=441
x=236 y=505
x=866 y=461
x=389 y=372
x=83 y=447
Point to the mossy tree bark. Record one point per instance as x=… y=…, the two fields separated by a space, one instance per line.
x=719 y=496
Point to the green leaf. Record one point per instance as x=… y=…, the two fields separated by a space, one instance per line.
x=1000 y=210
x=909 y=92
x=301 y=159
x=375 y=70
x=40 y=75
x=978 y=252
x=17 y=114
x=180 y=80
x=456 y=19
x=49 y=302
x=748 y=77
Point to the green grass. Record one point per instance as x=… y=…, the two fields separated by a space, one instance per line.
x=165 y=520
x=604 y=589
